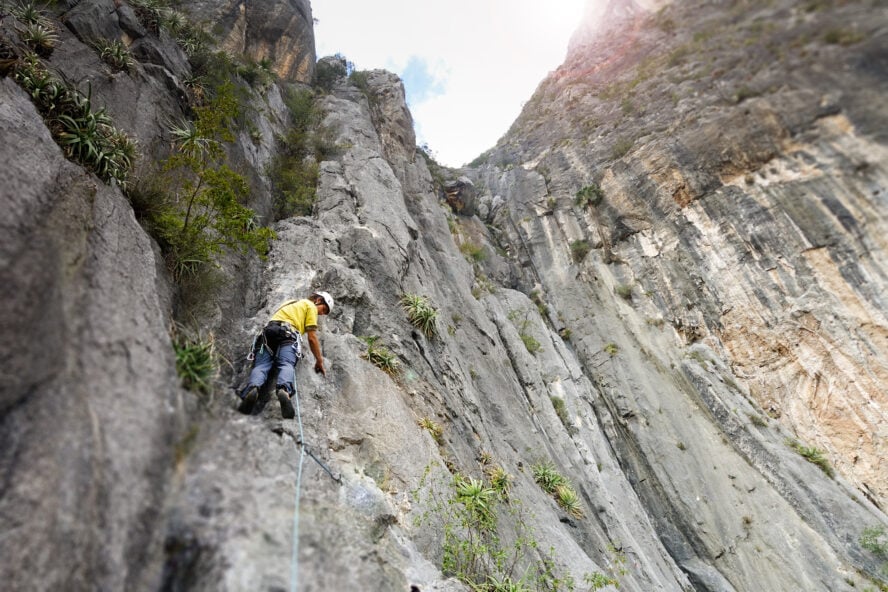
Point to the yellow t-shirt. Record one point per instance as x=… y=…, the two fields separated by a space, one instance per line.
x=301 y=314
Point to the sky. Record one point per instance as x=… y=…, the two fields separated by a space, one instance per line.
x=468 y=66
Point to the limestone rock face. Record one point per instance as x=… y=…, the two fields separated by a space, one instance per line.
x=281 y=31
x=734 y=206
x=89 y=397
x=709 y=305
x=460 y=196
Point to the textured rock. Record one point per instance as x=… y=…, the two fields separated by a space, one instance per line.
x=89 y=390
x=281 y=31
x=734 y=272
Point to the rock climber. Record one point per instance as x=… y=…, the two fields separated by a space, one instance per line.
x=279 y=345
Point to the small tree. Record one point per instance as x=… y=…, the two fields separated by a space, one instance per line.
x=204 y=214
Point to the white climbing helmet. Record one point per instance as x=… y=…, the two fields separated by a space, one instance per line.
x=328 y=300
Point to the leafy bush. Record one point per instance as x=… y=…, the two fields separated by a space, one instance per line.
x=474 y=253
x=530 y=342
x=590 y=195
x=624 y=291
x=475 y=551
x=381 y=357
x=611 y=349
x=421 y=313
x=598 y=580
x=842 y=37
x=622 y=147
x=201 y=214
x=294 y=170
x=561 y=412
x=579 y=249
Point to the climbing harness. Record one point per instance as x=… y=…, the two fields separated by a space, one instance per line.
x=304 y=449
x=272 y=336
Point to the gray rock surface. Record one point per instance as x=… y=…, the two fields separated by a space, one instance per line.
x=89 y=399
x=730 y=301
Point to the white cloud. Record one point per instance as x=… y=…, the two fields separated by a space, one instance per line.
x=484 y=59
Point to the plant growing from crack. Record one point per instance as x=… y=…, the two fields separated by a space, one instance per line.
x=476 y=550
x=530 y=342
x=202 y=214
x=421 y=313
x=812 y=455
x=380 y=356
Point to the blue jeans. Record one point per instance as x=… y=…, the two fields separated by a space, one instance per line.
x=284 y=361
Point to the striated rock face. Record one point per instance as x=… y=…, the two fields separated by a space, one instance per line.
x=715 y=292
x=281 y=31
x=744 y=201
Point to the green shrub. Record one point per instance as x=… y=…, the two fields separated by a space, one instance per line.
x=475 y=551
x=547 y=477
x=86 y=135
x=196 y=360
x=474 y=253
x=622 y=147
x=624 y=291
x=598 y=580
x=812 y=455
x=842 y=37
x=530 y=342
x=381 y=357
x=115 y=54
x=611 y=349
x=202 y=215
x=294 y=170
x=579 y=249
x=421 y=313
x=432 y=428
x=561 y=412
x=590 y=195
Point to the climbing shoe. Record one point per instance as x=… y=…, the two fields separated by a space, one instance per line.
x=287 y=410
x=246 y=406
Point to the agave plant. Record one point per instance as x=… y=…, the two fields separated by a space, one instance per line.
x=115 y=54
x=421 y=313
x=500 y=480
x=27 y=12
x=568 y=499
x=547 y=477
x=32 y=76
x=81 y=138
x=188 y=140
x=381 y=357
x=41 y=37
x=477 y=498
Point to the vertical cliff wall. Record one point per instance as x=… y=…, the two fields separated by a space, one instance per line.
x=714 y=296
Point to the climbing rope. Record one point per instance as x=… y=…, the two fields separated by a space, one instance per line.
x=294 y=562
x=303 y=450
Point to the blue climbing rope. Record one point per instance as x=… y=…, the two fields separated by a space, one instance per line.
x=294 y=563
